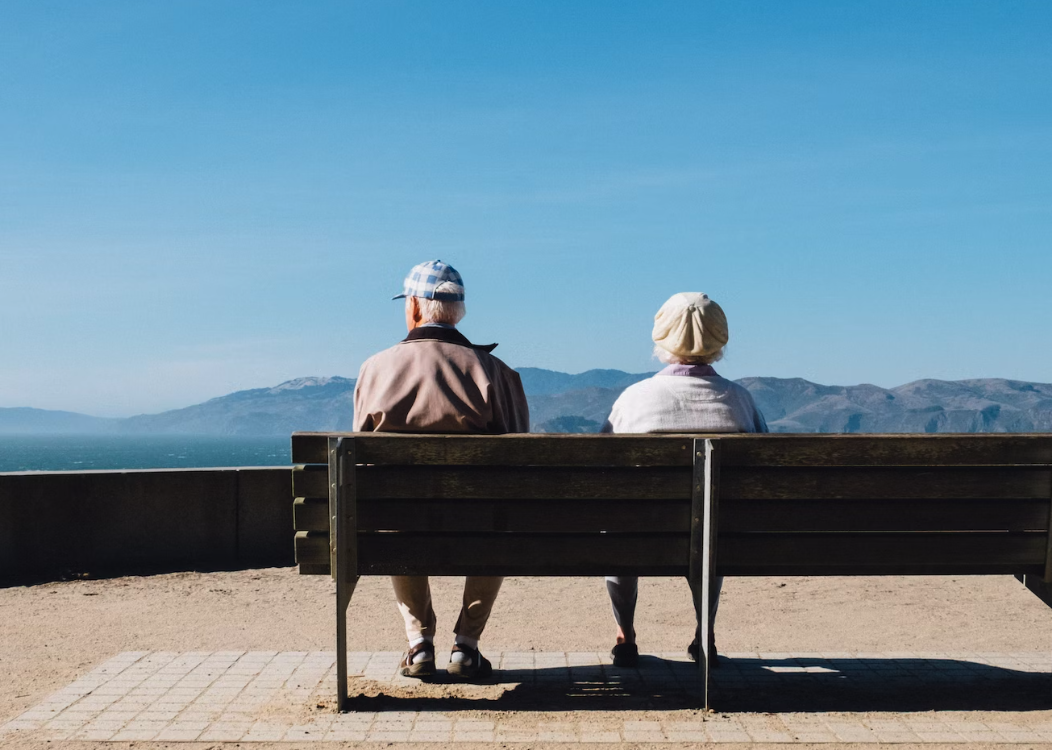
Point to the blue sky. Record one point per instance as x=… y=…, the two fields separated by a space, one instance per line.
x=200 y=197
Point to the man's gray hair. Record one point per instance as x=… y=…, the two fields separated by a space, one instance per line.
x=669 y=358
x=442 y=311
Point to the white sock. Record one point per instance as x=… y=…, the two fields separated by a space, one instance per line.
x=423 y=655
x=459 y=657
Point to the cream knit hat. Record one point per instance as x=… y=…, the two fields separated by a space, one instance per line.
x=690 y=325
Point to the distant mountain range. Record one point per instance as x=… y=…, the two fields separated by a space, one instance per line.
x=988 y=405
x=23 y=420
x=301 y=404
x=560 y=402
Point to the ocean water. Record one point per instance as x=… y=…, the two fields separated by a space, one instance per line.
x=104 y=452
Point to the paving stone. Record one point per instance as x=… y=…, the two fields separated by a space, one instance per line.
x=380 y=726
x=983 y=736
x=640 y=726
x=23 y=725
x=224 y=733
x=941 y=737
x=131 y=735
x=265 y=732
x=814 y=737
x=765 y=735
x=112 y=725
x=307 y=732
x=1021 y=736
x=350 y=723
x=433 y=725
x=687 y=736
x=381 y=736
x=417 y=735
x=897 y=737
x=739 y=736
x=482 y=736
x=58 y=734
x=95 y=735
x=515 y=735
x=340 y=735
x=851 y=732
x=684 y=726
x=643 y=736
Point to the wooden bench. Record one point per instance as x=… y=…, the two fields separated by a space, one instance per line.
x=670 y=505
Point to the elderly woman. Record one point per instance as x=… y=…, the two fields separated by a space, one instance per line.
x=690 y=331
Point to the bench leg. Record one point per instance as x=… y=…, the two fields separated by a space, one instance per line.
x=343 y=600
x=702 y=565
x=703 y=634
x=343 y=548
x=1038 y=587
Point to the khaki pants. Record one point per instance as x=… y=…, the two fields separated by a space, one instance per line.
x=413 y=594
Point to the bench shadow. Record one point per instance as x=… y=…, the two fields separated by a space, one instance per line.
x=899 y=685
x=738 y=686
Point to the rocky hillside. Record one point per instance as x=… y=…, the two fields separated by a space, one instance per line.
x=538 y=382
x=301 y=404
x=991 y=405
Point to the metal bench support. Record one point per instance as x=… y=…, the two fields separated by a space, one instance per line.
x=702 y=567
x=343 y=548
x=1041 y=587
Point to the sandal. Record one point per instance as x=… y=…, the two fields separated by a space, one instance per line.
x=475 y=667
x=423 y=668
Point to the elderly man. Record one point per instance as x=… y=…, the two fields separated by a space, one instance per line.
x=438 y=381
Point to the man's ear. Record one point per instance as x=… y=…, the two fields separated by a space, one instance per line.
x=414 y=310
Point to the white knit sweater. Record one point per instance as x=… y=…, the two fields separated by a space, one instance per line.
x=682 y=403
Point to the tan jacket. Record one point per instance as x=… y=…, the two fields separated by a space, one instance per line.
x=438 y=381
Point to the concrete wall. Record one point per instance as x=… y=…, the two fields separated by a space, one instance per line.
x=61 y=523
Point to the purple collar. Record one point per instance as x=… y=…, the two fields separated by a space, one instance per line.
x=693 y=371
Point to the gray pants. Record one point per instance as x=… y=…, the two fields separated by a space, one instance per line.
x=624 y=591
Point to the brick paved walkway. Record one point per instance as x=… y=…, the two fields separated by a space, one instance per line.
x=556 y=696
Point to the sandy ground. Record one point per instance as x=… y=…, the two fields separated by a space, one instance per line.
x=51 y=633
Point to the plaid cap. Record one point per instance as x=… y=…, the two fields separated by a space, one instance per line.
x=426 y=277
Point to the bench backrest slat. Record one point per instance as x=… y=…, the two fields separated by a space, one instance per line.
x=885 y=482
x=510 y=450
x=860 y=515
x=887 y=450
x=522 y=483
x=663 y=516
x=462 y=553
x=979 y=553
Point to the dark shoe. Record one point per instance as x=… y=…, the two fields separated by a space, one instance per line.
x=425 y=668
x=476 y=667
x=714 y=658
x=625 y=655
